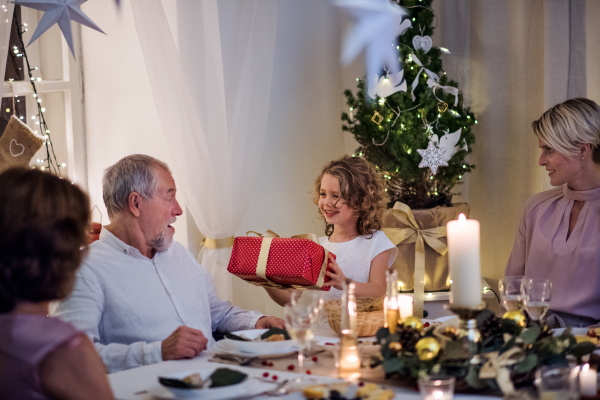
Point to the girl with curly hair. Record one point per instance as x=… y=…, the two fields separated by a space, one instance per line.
x=351 y=200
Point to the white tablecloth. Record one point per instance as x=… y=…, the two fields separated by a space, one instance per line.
x=136 y=383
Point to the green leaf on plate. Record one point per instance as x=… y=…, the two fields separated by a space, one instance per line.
x=226 y=377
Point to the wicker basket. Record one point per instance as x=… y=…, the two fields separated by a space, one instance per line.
x=369 y=318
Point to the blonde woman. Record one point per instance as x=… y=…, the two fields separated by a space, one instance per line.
x=559 y=233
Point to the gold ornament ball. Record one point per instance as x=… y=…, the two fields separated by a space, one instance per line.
x=414 y=322
x=395 y=346
x=517 y=316
x=427 y=348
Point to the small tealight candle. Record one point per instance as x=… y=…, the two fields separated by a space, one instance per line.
x=437 y=387
x=588 y=381
x=405 y=304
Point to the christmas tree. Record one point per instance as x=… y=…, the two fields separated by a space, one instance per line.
x=412 y=124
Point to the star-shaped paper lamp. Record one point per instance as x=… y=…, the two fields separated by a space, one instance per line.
x=61 y=12
x=432 y=158
x=378 y=24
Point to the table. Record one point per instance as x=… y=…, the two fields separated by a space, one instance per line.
x=133 y=384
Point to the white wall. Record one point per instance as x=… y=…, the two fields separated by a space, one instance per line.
x=303 y=133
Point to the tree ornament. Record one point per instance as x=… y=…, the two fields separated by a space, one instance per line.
x=60 y=12
x=449 y=143
x=442 y=107
x=516 y=315
x=422 y=42
x=427 y=348
x=377 y=118
x=413 y=322
x=387 y=85
x=432 y=157
x=378 y=25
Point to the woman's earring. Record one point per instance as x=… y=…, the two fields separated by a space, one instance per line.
x=582 y=158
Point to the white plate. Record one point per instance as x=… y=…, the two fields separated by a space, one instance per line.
x=574 y=331
x=226 y=346
x=238 y=390
x=281 y=346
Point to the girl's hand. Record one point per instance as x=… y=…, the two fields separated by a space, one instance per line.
x=337 y=276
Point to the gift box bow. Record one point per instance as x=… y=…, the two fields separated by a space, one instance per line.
x=414 y=234
x=261 y=266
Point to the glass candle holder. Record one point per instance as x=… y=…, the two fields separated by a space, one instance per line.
x=557 y=383
x=437 y=387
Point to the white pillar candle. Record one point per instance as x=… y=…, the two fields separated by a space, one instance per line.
x=465 y=268
x=588 y=381
x=405 y=304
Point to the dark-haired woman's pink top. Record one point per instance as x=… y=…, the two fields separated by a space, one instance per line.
x=25 y=341
x=542 y=249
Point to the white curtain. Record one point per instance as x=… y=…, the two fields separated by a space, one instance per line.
x=6 y=12
x=212 y=98
x=513 y=60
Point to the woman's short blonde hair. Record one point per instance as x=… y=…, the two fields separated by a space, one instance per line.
x=568 y=125
x=361 y=187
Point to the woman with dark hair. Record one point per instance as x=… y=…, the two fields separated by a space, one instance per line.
x=43 y=224
x=559 y=234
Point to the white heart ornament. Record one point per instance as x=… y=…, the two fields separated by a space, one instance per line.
x=422 y=42
x=10 y=148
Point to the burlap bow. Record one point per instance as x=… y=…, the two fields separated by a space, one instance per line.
x=414 y=234
x=261 y=266
x=496 y=367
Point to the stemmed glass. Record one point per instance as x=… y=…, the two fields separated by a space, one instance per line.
x=299 y=322
x=314 y=301
x=511 y=292
x=536 y=298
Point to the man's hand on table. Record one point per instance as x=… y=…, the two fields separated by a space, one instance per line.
x=270 y=322
x=185 y=342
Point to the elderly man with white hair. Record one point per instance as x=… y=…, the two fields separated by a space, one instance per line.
x=139 y=296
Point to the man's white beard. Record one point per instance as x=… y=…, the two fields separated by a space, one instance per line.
x=163 y=241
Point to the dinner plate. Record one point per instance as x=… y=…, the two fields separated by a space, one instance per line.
x=254 y=348
x=246 y=388
x=225 y=346
x=574 y=331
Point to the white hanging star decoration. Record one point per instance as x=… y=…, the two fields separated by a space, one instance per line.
x=61 y=12
x=378 y=24
x=432 y=157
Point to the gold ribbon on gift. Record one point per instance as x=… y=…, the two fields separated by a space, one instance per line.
x=263 y=256
x=496 y=367
x=211 y=243
x=414 y=234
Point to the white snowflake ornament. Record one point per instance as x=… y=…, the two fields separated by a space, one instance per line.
x=432 y=157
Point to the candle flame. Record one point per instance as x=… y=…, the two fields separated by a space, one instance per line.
x=437 y=394
x=462 y=219
x=585 y=367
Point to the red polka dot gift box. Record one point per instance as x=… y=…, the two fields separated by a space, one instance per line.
x=279 y=262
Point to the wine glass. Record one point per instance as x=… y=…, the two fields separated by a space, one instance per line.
x=299 y=322
x=313 y=300
x=537 y=294
x=511 y=292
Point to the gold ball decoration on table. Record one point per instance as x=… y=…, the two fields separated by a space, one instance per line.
x=516 y=315
x=427 y=348
x=395 y=346
x=413 y=322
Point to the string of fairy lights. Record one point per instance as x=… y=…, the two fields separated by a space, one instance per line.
x=51 y=163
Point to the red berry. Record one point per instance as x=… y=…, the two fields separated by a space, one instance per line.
x=270 y=364
x=361 y=384
x=291 y=367
x=264 y=362
x=426 y=324
x=274 y=377
x=265 y=374
x=308 y=372
x=315 y=358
